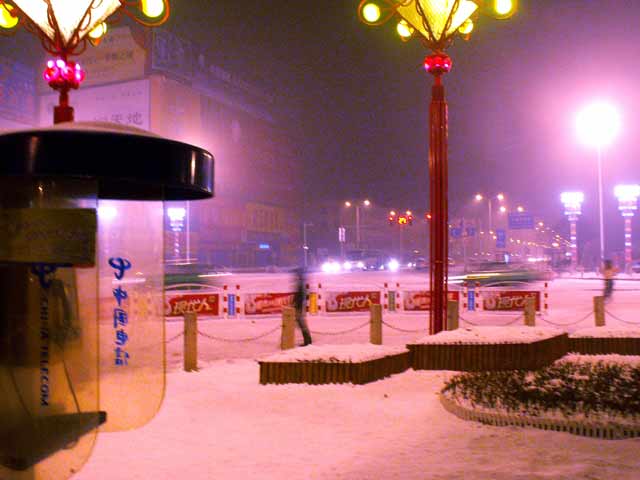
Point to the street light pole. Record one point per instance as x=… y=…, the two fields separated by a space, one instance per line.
x=305 y=247
x=436 y=22
x=437 y=65
x=357 y=227
x=600 y=213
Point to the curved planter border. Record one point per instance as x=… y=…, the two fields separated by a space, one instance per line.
x=613 y=432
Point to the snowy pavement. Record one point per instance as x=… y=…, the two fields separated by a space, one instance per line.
x=220 y=423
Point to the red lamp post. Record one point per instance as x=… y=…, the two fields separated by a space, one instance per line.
x=436 y=22
x=65 y=27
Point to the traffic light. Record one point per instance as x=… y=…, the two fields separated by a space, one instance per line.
x=409 y=216
x=392 y=218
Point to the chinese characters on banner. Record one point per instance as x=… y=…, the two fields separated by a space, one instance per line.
x=420 y=300
x=509 y=300
x=263 y=303
x=120 y=313
x=351 y=301
x=201 y=303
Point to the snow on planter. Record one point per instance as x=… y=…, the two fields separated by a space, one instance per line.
x=489 y=348
x=603 y=340
x=358 y=364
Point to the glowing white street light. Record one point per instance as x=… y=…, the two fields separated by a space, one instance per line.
x=364 y=203
x=598 y=125
x=627 y=196
x=572 y=202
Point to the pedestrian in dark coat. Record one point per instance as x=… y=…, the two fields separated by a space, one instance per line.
x=299 y=302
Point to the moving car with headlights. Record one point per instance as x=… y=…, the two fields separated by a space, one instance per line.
x=362 y=260
x=501 y=273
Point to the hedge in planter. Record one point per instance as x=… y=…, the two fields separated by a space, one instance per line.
x=591 y=388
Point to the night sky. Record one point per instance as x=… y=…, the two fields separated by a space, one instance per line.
x=357 y=99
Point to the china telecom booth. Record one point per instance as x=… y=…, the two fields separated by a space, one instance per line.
x=81 y=286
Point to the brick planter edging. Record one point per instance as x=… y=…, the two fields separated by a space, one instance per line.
x=585 y=429
x=603 y=346
x=494 y=356
x=320 y=373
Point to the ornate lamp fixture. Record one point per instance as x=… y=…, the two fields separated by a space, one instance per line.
x=65 y=26
x=436 y=22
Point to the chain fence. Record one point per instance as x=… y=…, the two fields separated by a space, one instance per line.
x=620 y=319
x=239 y=340
x=568 y=324
x=341 y=332
x=469 y=322
x=403 y=330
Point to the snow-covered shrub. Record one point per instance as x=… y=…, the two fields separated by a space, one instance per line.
x=574 y=384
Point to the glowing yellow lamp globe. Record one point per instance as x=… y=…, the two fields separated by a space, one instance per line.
x=371 y=12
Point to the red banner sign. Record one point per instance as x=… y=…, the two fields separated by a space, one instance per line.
x=265 y=303
x=420 y=300
x=351 y=301
x=201 y=303
x=508 y=300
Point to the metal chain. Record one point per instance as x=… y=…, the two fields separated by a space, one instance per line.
x=174 y=337
x=621 y=320
x=240 y=340
x=569 y=323
x=402 y=329
x=517 y=319
x=342 y=331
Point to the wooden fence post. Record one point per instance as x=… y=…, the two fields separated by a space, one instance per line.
x=598 y=310
x=453 y=314
x=288 y=335
x=190 y=342
x=375 y=324
x=530 y=311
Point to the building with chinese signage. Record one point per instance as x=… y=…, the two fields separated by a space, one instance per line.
x=159 y=82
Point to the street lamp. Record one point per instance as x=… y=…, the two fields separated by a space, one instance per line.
x=436 y=21
x=597 y=125
x=572 y=202
x=64 y=27
x=357 y=205
x=627 y=196
x=500 y=197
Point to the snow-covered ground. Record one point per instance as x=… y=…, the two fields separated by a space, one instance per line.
x=220 y=423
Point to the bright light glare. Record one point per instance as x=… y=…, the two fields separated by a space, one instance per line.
x=572 y=198
x=366 y=203
x=331 y=267
x=152 y=8
x=107 y=212
x=479 y=197
x=467 y=27
x=629 y=193
x=500 y=196
x=371 y=12
x=6 y=19
x=176 y=214
x=99 y=31
x=404 y=29
x=503 y=7
x=346 y=265
x=598 y=124
x=393 y=265
x=520 y=209
x=503 y=209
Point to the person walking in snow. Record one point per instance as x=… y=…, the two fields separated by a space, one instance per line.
x=299 y=302
x=608 y=273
